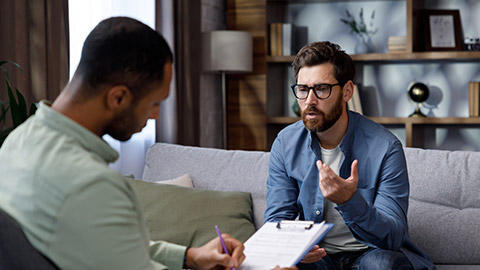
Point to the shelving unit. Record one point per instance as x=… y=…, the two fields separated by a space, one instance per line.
x=404 y=56
x=414 y=126
x=269 y=69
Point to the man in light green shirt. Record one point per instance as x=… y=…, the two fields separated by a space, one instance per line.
x=55 y=181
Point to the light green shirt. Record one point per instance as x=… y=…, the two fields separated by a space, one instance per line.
x=55 y=181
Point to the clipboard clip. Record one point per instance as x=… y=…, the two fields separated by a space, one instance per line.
x=307 y=225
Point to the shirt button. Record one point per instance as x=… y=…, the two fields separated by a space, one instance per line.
x=317 y=212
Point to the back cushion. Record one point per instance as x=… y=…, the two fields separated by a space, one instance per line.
x=212 y=169
x=444 y=206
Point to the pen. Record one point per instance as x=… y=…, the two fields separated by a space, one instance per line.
x=222 y=242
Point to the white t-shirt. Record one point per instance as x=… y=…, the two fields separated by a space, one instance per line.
x=339 y=239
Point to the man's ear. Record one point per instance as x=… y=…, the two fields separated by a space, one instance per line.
x=348 y=89
x=118 y=98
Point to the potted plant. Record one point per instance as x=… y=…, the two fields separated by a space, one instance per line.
x=15 y=105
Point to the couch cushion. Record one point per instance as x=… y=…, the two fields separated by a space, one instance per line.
x=187 y=216
x=444 y=210
x=212 y=169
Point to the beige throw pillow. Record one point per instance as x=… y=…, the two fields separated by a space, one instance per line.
x=183 y=181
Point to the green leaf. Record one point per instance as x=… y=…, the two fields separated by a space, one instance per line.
x=13 y=63
x=4 y=109
x=6 y=75
x=17 y=110
x=33 y=109
x=22 y=104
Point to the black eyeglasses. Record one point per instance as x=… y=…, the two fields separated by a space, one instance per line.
x=321 y=91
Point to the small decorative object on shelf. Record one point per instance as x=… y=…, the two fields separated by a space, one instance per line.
x=418 y=93
x=443 y=30
x=472 y=44
x=360 y=28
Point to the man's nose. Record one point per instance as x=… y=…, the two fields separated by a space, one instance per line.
x=311 y=98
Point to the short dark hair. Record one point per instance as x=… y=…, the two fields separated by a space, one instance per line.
x=123 y=51
x=317 y=53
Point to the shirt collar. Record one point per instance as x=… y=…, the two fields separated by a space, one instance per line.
x=87 y=139
x=346 y=140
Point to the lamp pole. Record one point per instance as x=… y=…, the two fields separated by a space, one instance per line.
x=224 y=101
x=227 y=51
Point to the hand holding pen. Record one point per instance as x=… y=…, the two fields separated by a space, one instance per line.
x=213 y=254
x=222 y=242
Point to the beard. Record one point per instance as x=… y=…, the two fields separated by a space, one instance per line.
x=325 y=121
x=123 y=126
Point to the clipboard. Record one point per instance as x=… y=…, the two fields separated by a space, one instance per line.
x=282 y=243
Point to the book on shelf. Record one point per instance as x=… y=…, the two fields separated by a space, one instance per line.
x=474 y=99
x=397 y=43
x=275 y=36
x=286 y=39
x=354 y=104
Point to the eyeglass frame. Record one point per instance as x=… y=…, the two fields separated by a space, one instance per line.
x=313 y=88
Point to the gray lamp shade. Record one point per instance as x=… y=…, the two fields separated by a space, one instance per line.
x=227 y=51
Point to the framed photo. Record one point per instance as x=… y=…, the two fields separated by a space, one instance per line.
x=443 y=30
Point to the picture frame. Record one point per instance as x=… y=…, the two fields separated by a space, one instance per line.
x=442 y=30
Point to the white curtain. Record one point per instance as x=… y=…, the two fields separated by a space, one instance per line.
x=84 y=15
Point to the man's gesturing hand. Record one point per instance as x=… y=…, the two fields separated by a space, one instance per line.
x=335 y=188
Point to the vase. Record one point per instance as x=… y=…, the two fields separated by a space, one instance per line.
x=363 y=45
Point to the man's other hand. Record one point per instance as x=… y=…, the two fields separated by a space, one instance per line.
x=315 y=254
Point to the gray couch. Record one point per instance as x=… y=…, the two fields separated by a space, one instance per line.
x=444 y=210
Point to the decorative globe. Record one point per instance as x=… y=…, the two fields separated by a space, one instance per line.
x=418 y=92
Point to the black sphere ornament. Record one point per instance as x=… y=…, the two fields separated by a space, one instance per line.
x=418 y=93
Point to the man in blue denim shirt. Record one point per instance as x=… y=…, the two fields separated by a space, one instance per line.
x=341 y=167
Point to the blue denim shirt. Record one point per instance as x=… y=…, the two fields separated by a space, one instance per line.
x=376 y=214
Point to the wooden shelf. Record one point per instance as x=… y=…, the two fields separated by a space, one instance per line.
x=413 y=125
x=404 y=56
x=282 y=120
x=426 y=120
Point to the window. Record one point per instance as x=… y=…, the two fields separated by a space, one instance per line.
x=84 y=15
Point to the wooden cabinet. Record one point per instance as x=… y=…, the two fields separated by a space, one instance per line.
x=270 y=88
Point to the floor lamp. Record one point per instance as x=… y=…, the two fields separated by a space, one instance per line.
x=227 y=51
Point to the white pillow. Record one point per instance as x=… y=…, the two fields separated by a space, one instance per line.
x=183 y=181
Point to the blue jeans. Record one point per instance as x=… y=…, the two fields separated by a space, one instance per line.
x=371 y=259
